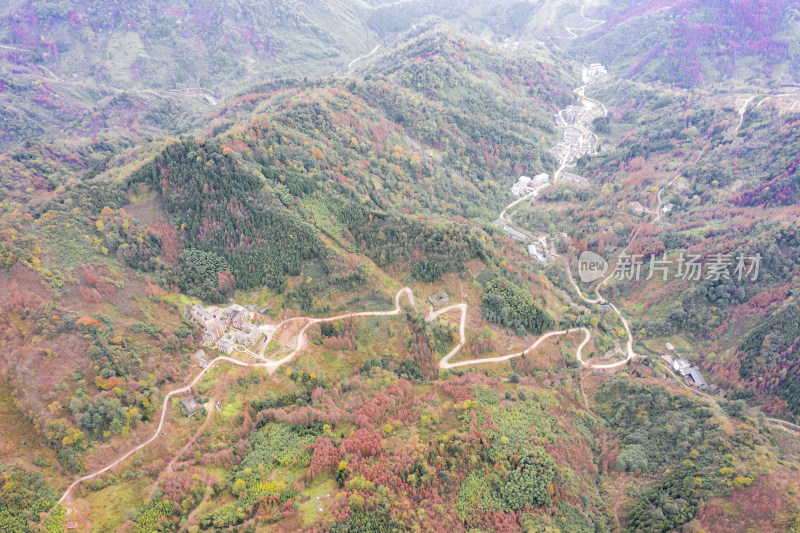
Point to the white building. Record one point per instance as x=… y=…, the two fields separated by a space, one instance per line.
x=594 y=70
x=534 y=252
x=521 y=186
x=681 y=366
x=540 y=179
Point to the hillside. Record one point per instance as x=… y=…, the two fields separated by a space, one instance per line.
x=724 y=204
x=693 y=43
x=121 y=69
x=321 y=177
x=99 y=69
x=413 y=346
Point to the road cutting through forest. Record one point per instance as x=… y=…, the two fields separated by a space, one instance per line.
x=444 y=363
x=272 y=366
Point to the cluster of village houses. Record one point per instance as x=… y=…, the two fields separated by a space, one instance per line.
x=228 y=328
x=576 y=139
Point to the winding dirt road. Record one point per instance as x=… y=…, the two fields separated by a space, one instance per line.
x=531 y=194
x=356 y=60
x=597 y=22
x=741 y=113
x=444 y=363
x=272 y=366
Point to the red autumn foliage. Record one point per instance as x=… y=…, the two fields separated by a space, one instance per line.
x=226 y=282
x=171 y=245
x=325 y=458
x=364 y=442
x=345 y=341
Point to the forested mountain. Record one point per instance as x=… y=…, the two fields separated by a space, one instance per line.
x=344 y=170
x=692 y=42
x=353 y=158
x=127 y=68
x=733 y=198
x=178 y=44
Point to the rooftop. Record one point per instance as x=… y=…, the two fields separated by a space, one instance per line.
x=697 y=378
x=514 y=234
x=224 y=343
x=191 y=405
x=438 y=299
x=202 y=311
x=216 y=325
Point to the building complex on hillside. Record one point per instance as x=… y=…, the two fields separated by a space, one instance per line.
x=217 y=327
x=247 y=334
x=524 y=184
x=224 y=345
x=202 y=316
x=688 y=372
x=214 y=332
